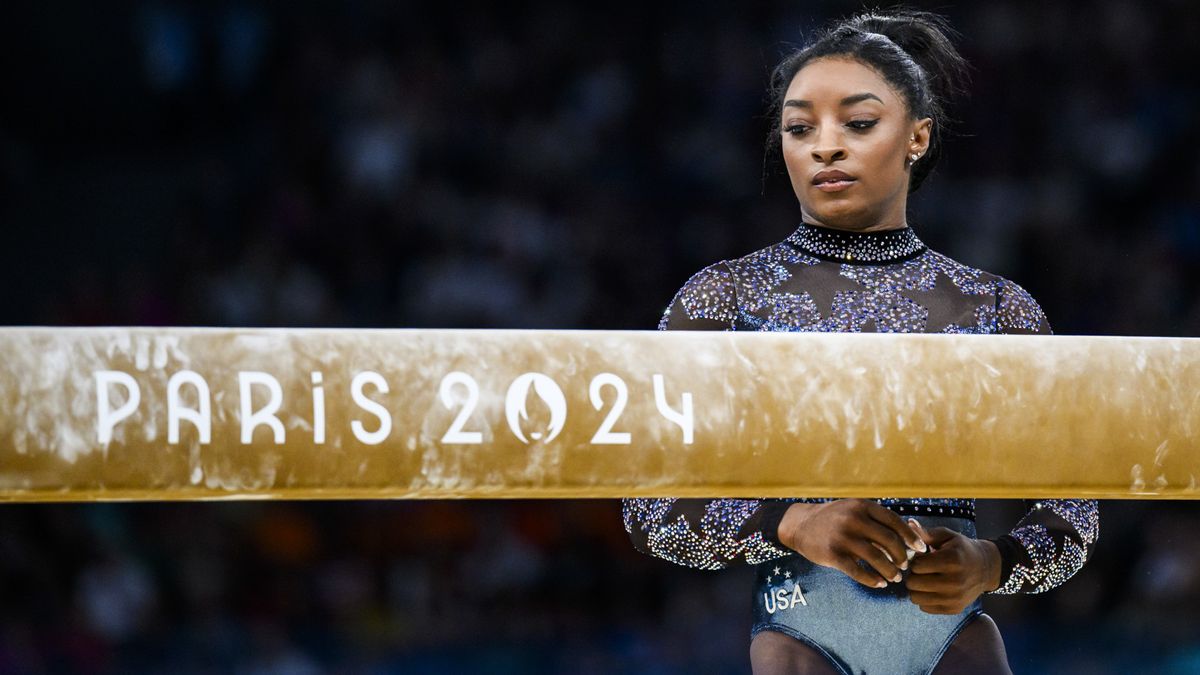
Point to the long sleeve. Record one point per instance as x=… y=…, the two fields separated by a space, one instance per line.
x=1056 y=537
x=705 y=533
x=708 y=534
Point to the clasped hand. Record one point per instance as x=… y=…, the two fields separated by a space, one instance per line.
x=948 y=570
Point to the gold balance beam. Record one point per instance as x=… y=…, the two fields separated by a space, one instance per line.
x=195 y=413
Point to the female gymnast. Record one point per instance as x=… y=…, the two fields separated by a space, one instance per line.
x=854 y=585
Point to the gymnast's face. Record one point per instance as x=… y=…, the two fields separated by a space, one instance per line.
x=841 y=115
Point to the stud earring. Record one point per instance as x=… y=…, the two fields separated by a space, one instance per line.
x=914 y=157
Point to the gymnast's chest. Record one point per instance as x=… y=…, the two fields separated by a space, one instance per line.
x=855 y=298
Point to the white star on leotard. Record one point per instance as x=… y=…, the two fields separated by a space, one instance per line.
x=776 y=570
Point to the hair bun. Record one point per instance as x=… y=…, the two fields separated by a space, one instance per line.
x=928 y=39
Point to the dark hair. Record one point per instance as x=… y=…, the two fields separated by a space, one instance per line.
x=909 y=48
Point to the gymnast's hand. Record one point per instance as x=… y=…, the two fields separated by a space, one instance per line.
x=840 y=533
x=956 y=570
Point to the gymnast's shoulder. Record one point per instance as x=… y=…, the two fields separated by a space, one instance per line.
x=1016 y=309
x=706 y=301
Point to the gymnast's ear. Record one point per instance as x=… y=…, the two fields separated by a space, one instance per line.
x=918 y=142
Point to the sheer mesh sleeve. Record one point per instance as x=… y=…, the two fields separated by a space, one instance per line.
x=705 y=533
x=708 y=534
x=707 y=301
x=1056 y=536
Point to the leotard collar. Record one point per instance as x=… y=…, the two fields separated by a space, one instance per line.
x=880 y=247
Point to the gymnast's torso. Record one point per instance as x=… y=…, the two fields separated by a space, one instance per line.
x=822 y=279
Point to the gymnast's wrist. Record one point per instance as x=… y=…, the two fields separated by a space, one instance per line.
x=992 y=565
x=1010 y=552
x=791 y=524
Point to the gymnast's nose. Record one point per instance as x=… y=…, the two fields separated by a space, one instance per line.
x=828 y=153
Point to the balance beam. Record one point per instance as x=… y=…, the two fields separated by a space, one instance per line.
x=92 y=414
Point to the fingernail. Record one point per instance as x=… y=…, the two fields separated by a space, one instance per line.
x=904 y=565
x=881 y=584
x=897 y=578
x=910 y=553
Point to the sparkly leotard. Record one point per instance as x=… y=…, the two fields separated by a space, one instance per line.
x=823 y=279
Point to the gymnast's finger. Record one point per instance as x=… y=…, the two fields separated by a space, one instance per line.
x=889 y=518
x=887 y=540
x=931 y=583
x=926 y=598
x=876 y=559
x=926 y=538
x=935 y=537
x=932 y=563
x=940 y=608
x=848 y=564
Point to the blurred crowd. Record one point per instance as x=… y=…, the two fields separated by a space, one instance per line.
x=492 y=587
x=536 y=165
x=418 y=587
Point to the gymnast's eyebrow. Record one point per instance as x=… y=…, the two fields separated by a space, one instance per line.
x=796 y=103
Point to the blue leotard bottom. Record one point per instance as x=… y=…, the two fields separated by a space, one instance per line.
x=858 y=629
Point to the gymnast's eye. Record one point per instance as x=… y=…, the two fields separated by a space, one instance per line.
x=796 y=129
x=862 y=125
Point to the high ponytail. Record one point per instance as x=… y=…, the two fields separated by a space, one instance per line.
x=911 y=49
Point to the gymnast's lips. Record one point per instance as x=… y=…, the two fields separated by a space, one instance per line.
x=832 y=180
x=831 y=175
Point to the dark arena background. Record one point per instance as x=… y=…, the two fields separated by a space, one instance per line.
x=548 y=165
